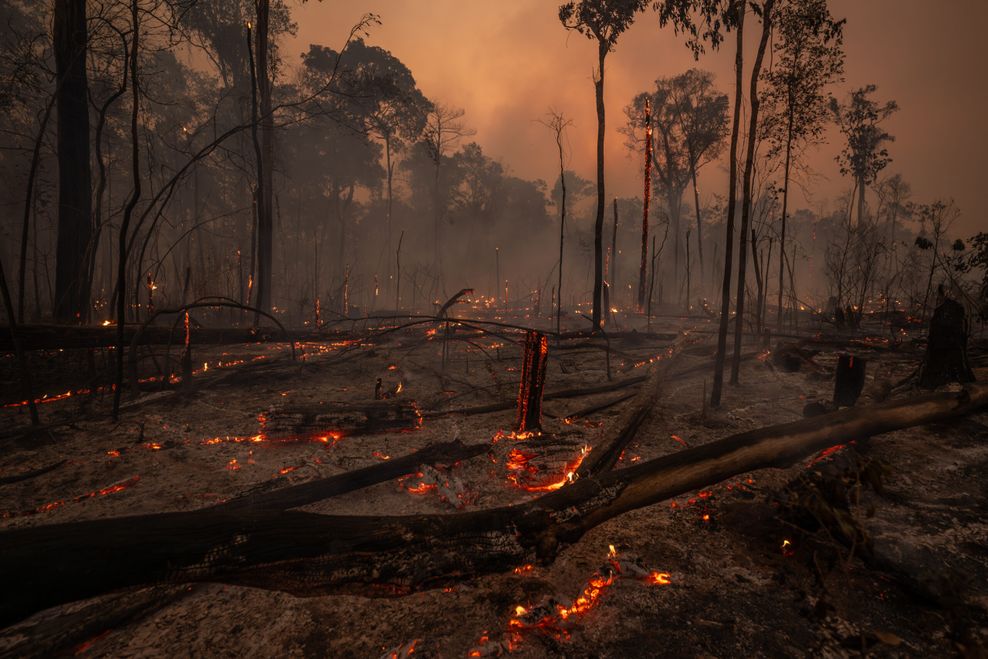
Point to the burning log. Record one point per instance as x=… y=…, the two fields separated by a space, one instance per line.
x=312 y=554
x=532 y=381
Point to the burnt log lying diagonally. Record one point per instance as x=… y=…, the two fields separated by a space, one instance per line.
x=312 y=554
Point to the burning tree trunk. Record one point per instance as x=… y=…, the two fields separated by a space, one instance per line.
x=313 y=554
x=532 y=381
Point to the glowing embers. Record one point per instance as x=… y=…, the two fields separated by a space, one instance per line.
x=428 y=480
x=828 y=454
x=54 y=505
x=533 y=470
x=557 y=616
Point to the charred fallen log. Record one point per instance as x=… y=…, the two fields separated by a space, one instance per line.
x=311 y=554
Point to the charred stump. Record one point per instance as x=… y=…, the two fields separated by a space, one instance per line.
x=849 y=381
x=946 y=348
x=532 y=381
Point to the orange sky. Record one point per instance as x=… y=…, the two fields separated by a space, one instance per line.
x=506 y=62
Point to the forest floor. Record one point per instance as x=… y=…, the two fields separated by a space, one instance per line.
x=879 y=547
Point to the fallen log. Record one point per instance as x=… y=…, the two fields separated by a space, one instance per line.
x=549 y=395
x=324 y=488
x=311 y=554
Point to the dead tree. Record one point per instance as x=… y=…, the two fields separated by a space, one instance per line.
x=270 y=546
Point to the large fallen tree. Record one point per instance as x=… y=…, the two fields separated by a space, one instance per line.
x=312 y=554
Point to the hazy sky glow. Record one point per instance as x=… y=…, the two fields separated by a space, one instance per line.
x=506 y=62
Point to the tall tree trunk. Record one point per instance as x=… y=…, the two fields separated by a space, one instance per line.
x=725 y=301
x=264 y=152
x=746 y=201
x=390 y=179
x=646 y=198
x=562 y=228
x=861 y=199
x=785 y=210
x=74 y=185
x=135 y=196
x=699 y=221
x=613 y=276
x=598 y=230
x=28 y=205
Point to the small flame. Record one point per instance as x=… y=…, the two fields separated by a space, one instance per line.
x=659 y=578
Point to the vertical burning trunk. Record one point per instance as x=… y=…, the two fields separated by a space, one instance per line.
x=598 y=233
x=265 y=214
x=646 y=198
x=74 y=186
x=532 y=381
x=746 y=194
x=725 y=302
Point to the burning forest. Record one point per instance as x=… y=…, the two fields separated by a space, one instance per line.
x=356 y=330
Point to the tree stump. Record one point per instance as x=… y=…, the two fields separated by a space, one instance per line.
x=532 y=381
x=849 y=381
x=946 y=348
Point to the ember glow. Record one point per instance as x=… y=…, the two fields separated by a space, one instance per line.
x=54 y=505
x=556 y=619
x=525 y=475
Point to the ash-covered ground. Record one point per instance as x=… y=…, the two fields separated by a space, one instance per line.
x=877 y=547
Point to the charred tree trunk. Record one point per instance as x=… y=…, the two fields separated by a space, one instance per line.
x=946 y=348
x=598 y=230
x=646 y=198
x=304 y=553
x=532 y=382
x=746 y=200
x=725 y=301
x=135 y=196
x=612 y=284
x=849 y=380
x=785 y=210
x=74 y=184
x=265 y=163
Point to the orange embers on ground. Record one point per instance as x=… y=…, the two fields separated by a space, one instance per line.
x=526 y=476
x=556 y=617
x=52 y=505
